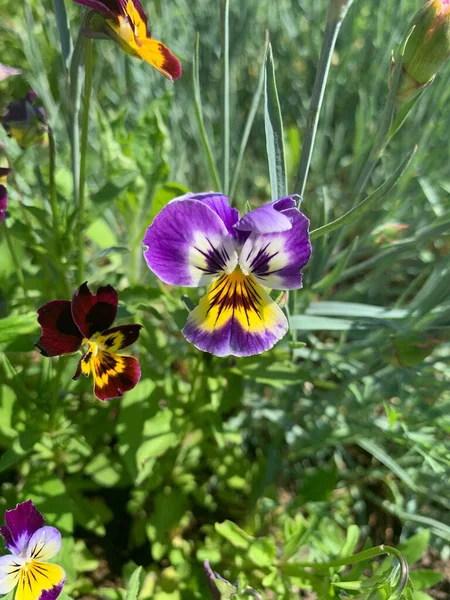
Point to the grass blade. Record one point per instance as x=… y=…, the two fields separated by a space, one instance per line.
x=199 y=114
x=274 y=131
x=366 y=204
x=248 y=126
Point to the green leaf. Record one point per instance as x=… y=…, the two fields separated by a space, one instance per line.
x=112 y=190
x=424 y=578
x=234 y=534
x=415 y=546
x=199 y=114
x=134 y=584
x=63 y=29
x=380 y=454
x=366 y=204
x=262 y=552
x=274 y=131
x=17 y=326
x=163 y=195
x=355 y=310
x=248 y=125
x=20 y=447
x=109 y=252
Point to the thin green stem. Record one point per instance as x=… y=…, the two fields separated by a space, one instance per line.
x=83 y=155
x=383 y=135
x=337 y=10
x=360 y=557
x=52 y=168
x=17 y=267
x=225 y=15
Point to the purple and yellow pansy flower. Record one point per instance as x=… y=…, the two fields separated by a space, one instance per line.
x=86 y=321
x=4 y=171
x=125 y=22
x=199 y=240
x=31 y=544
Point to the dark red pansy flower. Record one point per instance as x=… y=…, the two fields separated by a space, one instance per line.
x=86 y=321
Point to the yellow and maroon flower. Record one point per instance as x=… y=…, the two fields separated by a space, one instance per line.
x=30 y=544
x=125 y=22
x=84 y=322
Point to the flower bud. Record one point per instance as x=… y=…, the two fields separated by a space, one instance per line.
x=388 y=232
x=26 y=122
x=427 y=48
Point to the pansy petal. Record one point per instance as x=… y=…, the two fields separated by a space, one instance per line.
x=93 y=313
x=100 y=7
x=43 y=544
x=3 y=202
x=114 y=374
x=275 y=259
x=40 y=581
x=237 y=316
x=268 y=218
x=21 y=523
x=133 y=11
x=117 y=338
x=159 y=56
x=221 y=206
x=188 y=244
x=9 y=572
x=60 y=335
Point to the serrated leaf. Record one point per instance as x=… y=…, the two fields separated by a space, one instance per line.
x=134 y=584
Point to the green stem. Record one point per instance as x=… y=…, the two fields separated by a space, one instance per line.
x=337 y=9
x=52 y=186
x=362 y=556
x=225 y=14
x=83 y=155
x=382 y=138
x=16 y=262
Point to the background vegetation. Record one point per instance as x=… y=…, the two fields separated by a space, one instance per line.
x=306 y=453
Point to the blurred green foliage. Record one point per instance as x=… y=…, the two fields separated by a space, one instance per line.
x=310 y=452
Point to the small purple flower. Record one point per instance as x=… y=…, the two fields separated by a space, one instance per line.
x=199 y=240
x=30 y=543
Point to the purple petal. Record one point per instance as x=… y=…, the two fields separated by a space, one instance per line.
x=188 y=244
x=109 y=9
x=275 y=259
x=220 y=205
x=237 y=316
x=6 y=71
x=268 y=218
x=21 y=523
x=3 y=202
x=55 y=591
x=44 y=544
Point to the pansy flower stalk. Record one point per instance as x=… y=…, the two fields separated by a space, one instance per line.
x=31 y=544
x=86 y=321
x=199 y=240
x=125 y=22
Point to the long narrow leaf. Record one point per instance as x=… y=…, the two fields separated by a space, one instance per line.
x=367 y=203
x=199 y=114
x=248 y=126
x=274 y=131
x=63 y=30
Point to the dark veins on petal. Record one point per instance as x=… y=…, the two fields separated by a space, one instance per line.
x=216 y=258
x=260 y=262
x=235 y=295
